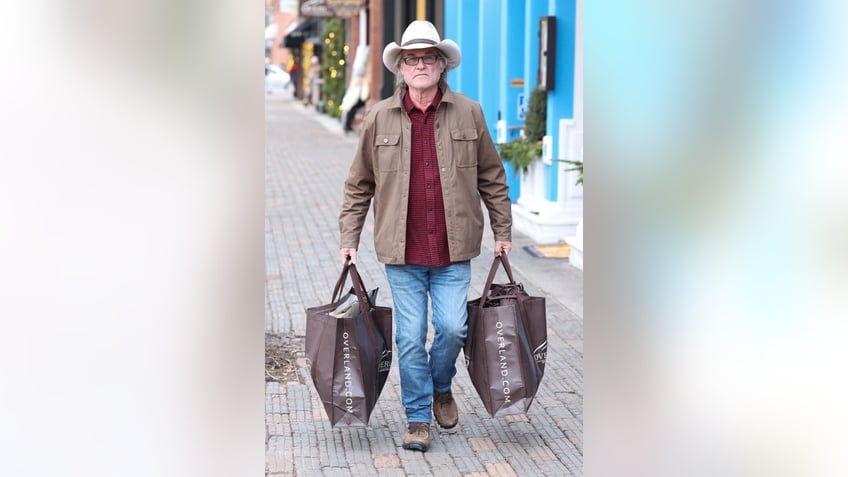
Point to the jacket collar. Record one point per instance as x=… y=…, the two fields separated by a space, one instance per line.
x=396 y=100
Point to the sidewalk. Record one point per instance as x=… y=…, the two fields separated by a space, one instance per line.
x=307 y=158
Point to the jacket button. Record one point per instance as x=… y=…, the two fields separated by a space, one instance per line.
x=385 y=140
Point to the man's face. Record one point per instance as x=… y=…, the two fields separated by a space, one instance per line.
x=421 y=75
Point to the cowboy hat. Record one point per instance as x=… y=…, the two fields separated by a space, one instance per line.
x=421 y=34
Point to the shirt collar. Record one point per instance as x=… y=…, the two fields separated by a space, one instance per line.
x=408 y=105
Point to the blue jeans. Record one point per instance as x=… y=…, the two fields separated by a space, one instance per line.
x=421 y=372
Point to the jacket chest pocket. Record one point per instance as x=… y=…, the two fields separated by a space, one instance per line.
x=387 y=152
x=464 y=147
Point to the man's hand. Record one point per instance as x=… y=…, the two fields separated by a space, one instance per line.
x=502 y=247
x=348 y=252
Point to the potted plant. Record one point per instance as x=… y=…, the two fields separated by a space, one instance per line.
x=578 y=166
x=522 y=151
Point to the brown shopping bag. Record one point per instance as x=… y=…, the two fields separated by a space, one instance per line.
x=349 y=351
x=507 y=344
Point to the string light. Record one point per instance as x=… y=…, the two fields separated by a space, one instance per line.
x=335 y=54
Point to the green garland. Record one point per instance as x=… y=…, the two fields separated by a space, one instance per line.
x=333 y=65
x=536 y=122
x=522 y=152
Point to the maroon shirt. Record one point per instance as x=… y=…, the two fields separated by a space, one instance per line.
x=426 y=231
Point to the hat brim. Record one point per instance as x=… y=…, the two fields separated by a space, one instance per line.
x=449 y=49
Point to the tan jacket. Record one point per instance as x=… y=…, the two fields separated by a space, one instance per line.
x=468 y=164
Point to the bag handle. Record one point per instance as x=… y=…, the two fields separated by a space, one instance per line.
x=499 y=260
x=356 y=280
x=502 y=260
x=365 y=305
x=342 y=279
x=359 y=288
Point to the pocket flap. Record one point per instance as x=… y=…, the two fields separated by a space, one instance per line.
x=464 y=134
x=386 y=139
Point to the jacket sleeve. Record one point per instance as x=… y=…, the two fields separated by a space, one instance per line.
x=491 y=180
x=358 y=191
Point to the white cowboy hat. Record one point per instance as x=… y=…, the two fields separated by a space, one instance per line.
x=421 y=34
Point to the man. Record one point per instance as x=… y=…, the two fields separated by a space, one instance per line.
x=426 y=159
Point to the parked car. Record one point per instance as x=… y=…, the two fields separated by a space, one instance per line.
x=276 y=79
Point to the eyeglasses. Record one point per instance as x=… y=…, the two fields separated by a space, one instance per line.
x=413 y=60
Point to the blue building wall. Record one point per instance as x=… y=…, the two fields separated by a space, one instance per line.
x=512 y=53
x=535 y=9
x=499 y=40
x=490 y=58
x=462 y=26
x=561 y=99
x=512 y=67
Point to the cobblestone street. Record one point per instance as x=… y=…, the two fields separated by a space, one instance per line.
x=307 y=158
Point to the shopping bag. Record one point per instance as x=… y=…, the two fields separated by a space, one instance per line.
x=507 y=344
x=349 y=351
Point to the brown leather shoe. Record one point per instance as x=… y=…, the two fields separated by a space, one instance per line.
x=444 y=407
x=417 y=436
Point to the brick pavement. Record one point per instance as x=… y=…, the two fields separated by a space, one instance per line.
x=307 y=158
